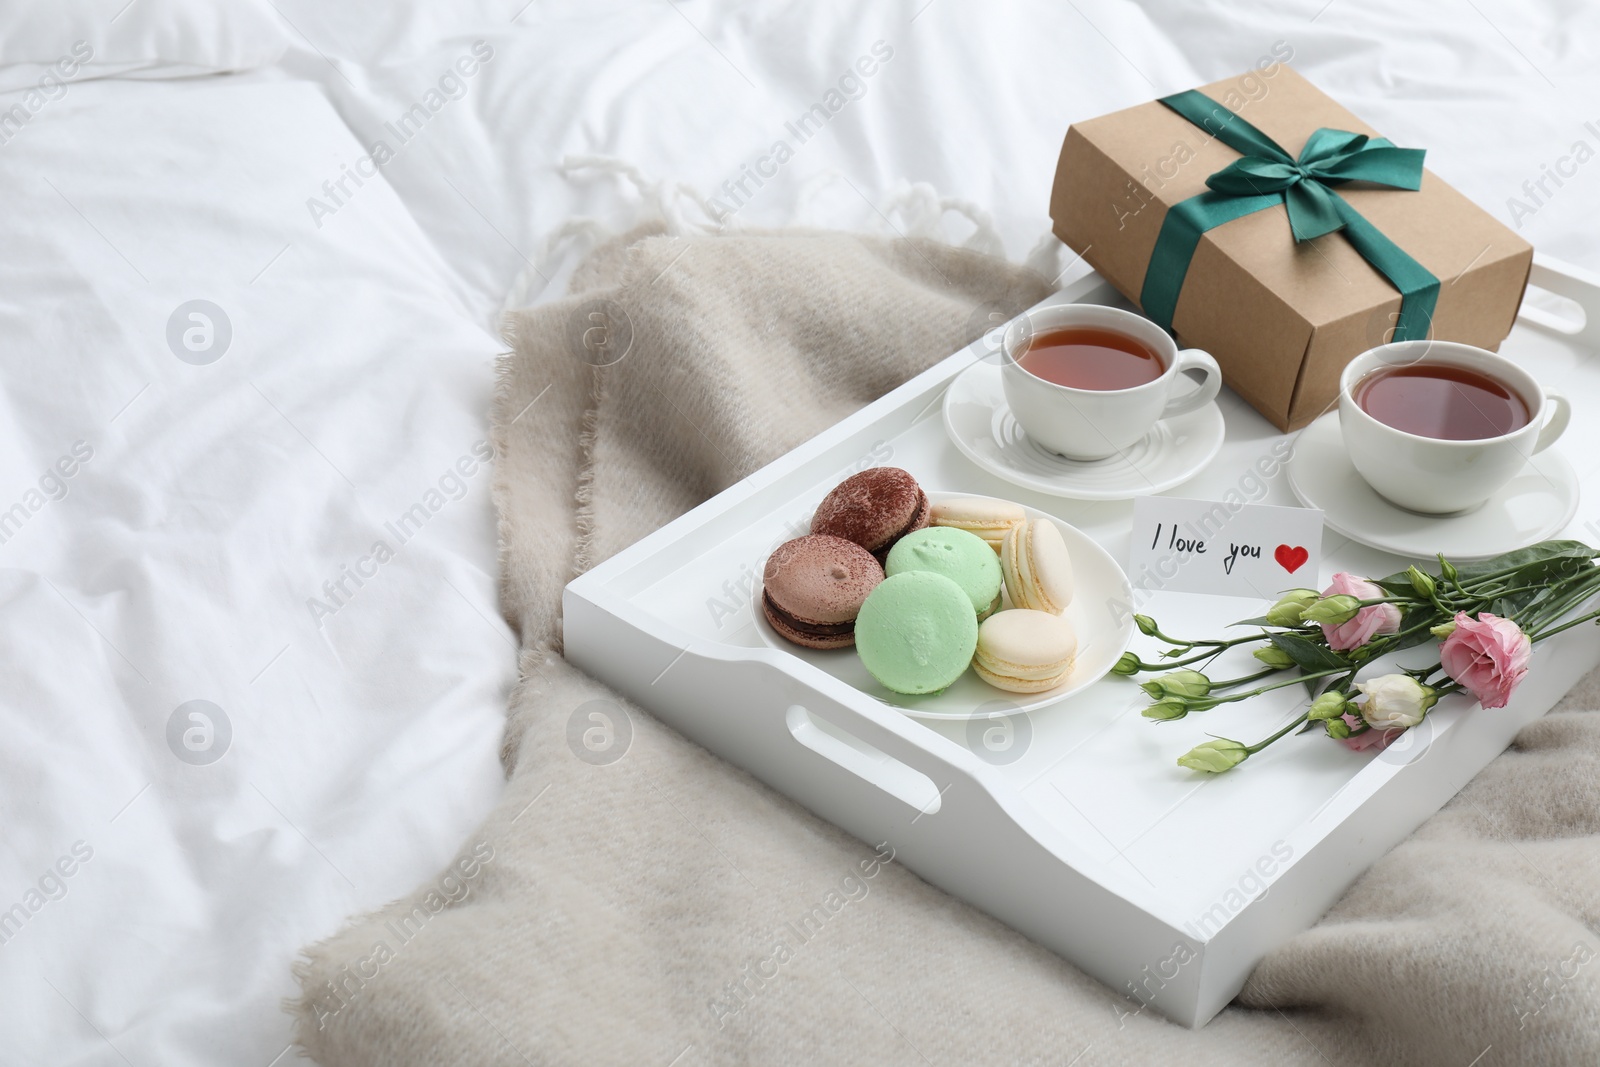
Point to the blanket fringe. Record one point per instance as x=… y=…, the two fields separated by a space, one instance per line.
x=588 y=434
x=919 y=206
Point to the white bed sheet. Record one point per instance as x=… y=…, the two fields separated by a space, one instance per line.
x=974 y=102
x=207 y=504
x=216 y=502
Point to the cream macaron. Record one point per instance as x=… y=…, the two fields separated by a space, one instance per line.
x=1025 y=651
x=989 y=519
x=1037 y=567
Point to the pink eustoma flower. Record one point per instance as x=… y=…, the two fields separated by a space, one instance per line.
x=1487 y=655
x=1369 y=622
x=1373 y=736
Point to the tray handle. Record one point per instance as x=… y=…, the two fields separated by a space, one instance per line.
x=867 y=762
x=1573 y=283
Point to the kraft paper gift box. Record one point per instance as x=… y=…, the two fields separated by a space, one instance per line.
x=1281 y=315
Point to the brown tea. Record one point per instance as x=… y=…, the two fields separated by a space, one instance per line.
x=1087 y=357
x=1441 y=401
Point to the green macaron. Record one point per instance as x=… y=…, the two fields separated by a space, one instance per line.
x=960 y=555
x=916 y=632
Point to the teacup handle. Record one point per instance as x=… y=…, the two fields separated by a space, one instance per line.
x=1556 y=424
x=1194 y=359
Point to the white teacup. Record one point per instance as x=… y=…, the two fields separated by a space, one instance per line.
x=1430 y=474
x=1092 y=424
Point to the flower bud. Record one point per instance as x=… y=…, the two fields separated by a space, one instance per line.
x=1183 y=684
x=1329 y=705
x=1333 y=610
x=1128 y=665
x=1146 y=625
x=1448 y=570
x=1287 y=611
x=1274 y=657
x=1214 y=757
x=1165 y=710
x=1337 y=729
x=1286 y=616
x=1443 y=630
x=1421 y=581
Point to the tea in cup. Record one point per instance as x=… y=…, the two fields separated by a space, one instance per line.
x=1087 y=381
x=1439 y=427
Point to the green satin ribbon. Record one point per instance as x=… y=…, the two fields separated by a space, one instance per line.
x=1266 y=175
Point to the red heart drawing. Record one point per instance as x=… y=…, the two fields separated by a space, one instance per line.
x=1291 y=559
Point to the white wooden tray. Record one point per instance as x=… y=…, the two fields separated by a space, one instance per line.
x=1072 y=824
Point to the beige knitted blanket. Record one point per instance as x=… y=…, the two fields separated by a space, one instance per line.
x=624 y=910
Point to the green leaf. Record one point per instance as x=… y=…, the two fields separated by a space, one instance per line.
x=1545 y=560
x=1551 y=556
x=1307 y=654
x=1520 y=557
x=1398 y=585
x=1310 y=656
x=1508 y=607
x=1414 y=617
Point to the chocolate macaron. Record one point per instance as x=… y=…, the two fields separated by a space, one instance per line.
x=813 y=588
x=873 y=508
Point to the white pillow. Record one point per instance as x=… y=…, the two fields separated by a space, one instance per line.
x=45 y=44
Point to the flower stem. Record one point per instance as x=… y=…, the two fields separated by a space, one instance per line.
x=1231 y=682
x=1198 y=644
x=1258 y=690
x=1560 y=604
x=1259 y=745
x=1542 y=634
x=1215 y=648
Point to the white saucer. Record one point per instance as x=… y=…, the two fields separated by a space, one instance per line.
x=1103 y=636
x=980 y=424
x=1535 y=505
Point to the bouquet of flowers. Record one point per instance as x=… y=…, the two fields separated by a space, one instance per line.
x=1486 y=617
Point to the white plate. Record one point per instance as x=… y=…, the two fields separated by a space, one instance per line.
x=980 y=424
x=1103 y=636
x=1536 y=504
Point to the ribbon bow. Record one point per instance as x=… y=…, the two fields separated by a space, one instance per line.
x=1264 y=176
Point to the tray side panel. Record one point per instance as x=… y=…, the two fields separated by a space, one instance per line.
x=970 y=846
x=1342 y=841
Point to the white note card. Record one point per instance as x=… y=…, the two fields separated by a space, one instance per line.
x=1208 y=546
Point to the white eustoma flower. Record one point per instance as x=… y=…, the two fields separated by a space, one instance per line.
x=1395 y=701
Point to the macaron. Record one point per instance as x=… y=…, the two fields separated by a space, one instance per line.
x=989 y=519
x=874 y=508
x=917 y=632
x=1025 y=651
x=813 y=586
x=964 y=558
x=1037 y=567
